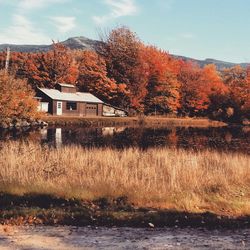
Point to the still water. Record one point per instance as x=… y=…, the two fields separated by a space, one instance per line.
x=236 y=139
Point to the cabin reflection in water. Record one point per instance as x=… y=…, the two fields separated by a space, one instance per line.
x=58 y=140
x=44 y=133
x=111 y=130
x=57 y=137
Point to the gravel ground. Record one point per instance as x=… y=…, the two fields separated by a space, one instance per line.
x=66 y=237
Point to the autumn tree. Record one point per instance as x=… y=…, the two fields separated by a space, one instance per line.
x=16 y=62
x=216 y=92
x=48 y=68
x=237 y=80
x=16 y=98
x=93 y=77
x=192 y=95
x=163 y=86
x=121 y=50
x=246 y=106
x=198 y=86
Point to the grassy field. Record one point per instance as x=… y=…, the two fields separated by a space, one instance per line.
x=164 y=178
x=131 y=121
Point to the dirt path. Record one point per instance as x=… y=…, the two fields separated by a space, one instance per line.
x=63 y=238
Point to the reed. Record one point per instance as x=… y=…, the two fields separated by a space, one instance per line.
x=160 y=177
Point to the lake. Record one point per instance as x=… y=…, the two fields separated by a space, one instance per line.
x=234 y=139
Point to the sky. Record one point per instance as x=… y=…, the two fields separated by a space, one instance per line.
x=194 y=28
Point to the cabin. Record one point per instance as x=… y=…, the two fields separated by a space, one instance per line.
x=64 y=100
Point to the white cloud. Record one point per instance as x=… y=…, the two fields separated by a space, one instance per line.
x=119 y=8
x=64 y=23
x=22 y=31
x=26 y=5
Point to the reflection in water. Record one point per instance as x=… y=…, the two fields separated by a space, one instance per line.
x=226 y=138
x=58 y=140
x=44 y=133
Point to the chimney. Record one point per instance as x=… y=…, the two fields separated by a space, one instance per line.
x=66 y=88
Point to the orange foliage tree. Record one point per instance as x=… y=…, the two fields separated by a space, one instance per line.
x=121 y=50
x=246 y=105
x=198 y=86
x=93 y=77
x=48 y=68
x=163 y=86
x=237 y=80
x=16 y=98
x=16 y=63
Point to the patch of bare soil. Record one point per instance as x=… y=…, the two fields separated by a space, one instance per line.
x=68 y=237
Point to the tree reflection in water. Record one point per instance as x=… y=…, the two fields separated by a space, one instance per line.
x=225 y=138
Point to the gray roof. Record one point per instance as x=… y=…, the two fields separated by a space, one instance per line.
x=75 y=97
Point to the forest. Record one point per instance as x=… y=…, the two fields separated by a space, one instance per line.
x=128 y=73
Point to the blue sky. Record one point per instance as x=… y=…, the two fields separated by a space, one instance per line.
x=195 y=28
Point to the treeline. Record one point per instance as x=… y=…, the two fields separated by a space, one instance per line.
x=144 y=79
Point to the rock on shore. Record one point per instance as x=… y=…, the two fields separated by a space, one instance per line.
x=9 y=123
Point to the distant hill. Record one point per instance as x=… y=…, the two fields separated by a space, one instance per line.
x=89 y=44
x=219 y=64
x=73 y=43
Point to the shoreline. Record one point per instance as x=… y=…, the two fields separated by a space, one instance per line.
x=32 y=210
x=131 y=121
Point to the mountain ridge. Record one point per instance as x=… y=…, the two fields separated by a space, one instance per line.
x=85 y=43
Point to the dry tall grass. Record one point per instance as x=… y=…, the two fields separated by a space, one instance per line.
x=166 y=178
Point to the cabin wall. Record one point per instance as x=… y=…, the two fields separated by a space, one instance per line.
x=100 y=109
x=83 y=111
x=45 y=98
x=67 y=112
x=80 y=111
x=54 y=107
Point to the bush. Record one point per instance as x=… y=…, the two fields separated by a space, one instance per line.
x=16 y=98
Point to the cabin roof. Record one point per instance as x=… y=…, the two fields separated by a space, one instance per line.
x=74 y=97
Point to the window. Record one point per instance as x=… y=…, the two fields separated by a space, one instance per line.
x=71 y=105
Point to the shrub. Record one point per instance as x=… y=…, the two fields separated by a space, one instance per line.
x=16 y=98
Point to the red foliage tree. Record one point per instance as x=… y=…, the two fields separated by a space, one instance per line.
x=93 y=77
x=198 y=86
x=16 y=98
x=163 y=86
x=237 y=80
x=121 y=50
x=55 y=66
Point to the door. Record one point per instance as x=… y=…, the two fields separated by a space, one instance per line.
x=91 y=109
x=59 y=108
